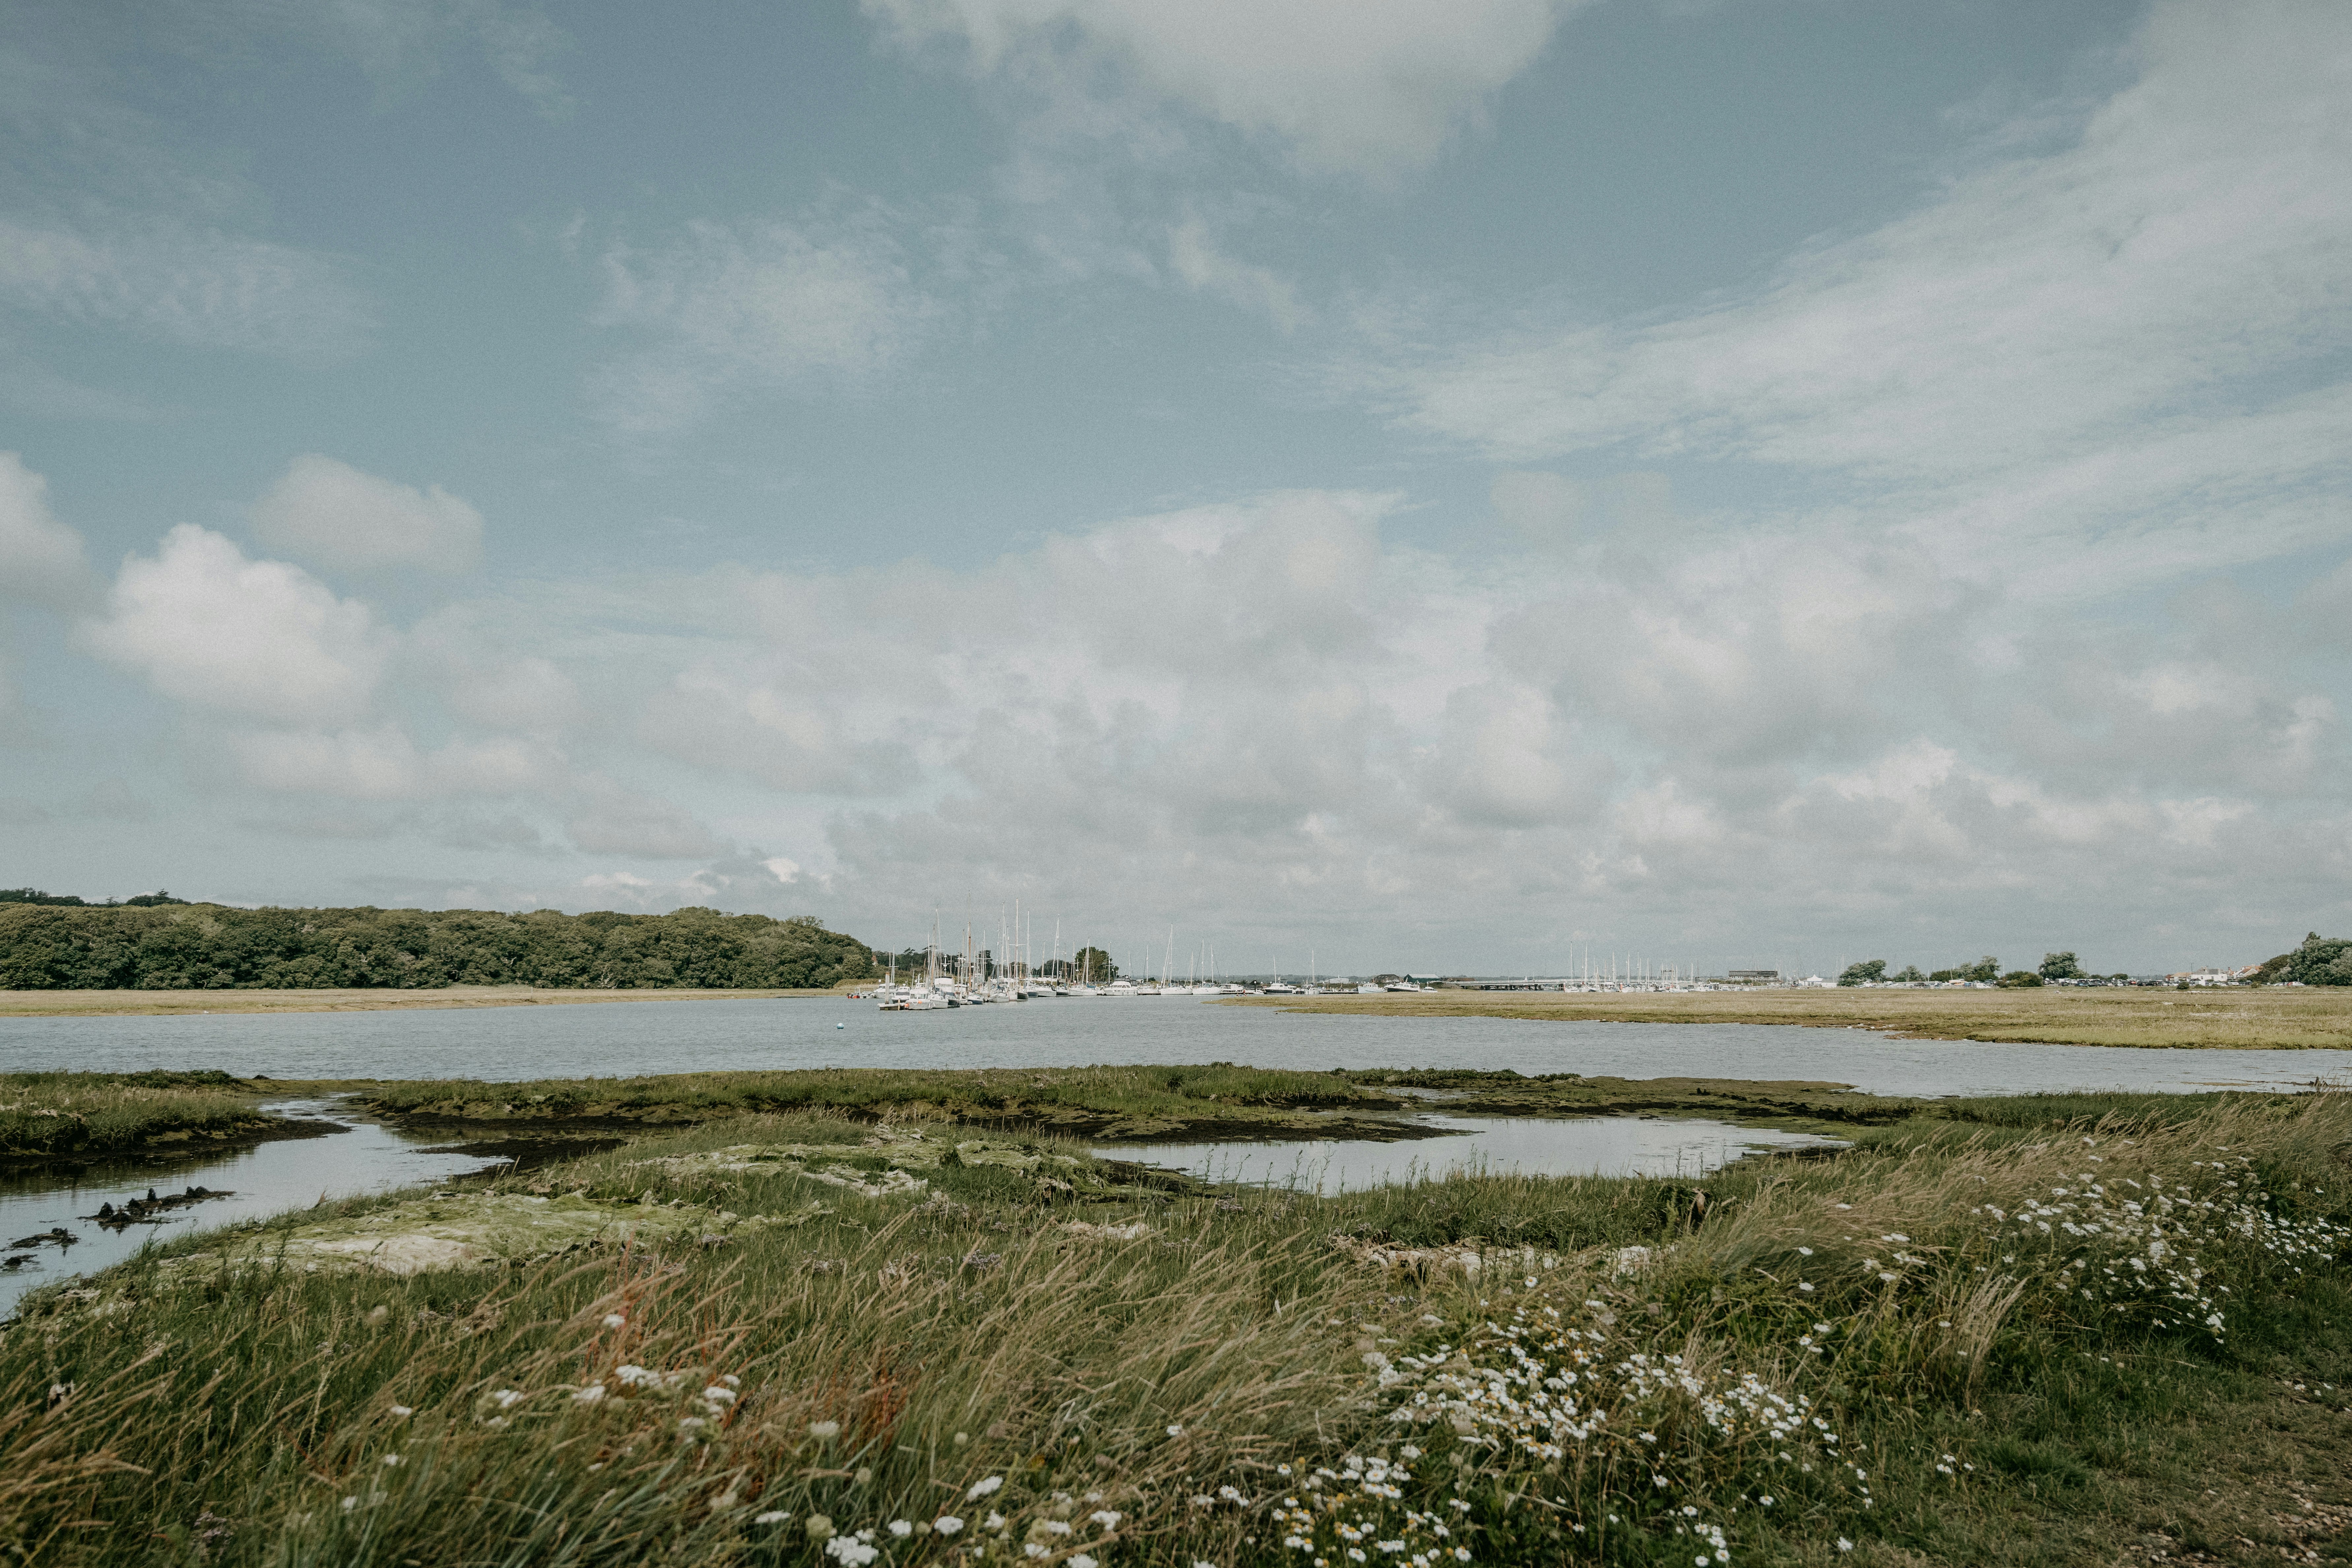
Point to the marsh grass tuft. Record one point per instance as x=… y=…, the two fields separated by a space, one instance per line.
x=46 y=1115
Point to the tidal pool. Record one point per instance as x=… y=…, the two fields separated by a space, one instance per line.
x=1493 y=1145
x=266 y=1179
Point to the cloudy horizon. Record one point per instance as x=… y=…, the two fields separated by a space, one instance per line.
x=1434 y=488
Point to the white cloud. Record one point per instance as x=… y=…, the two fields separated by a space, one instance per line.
x=2111 y=340
x=332 y=515
x=167 y=279
x=394 y=43
x=618 y=821
x=1363 y=87
x=1196 y=260
x=817 y=307
x=1262 y=717
x=40 y=558
x=260 y=638
x=381 y=761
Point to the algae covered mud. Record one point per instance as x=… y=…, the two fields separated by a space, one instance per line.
x=1998 y=1331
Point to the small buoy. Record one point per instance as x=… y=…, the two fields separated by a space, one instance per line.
x=841 y=1026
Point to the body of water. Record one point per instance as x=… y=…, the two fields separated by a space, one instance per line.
x=267 y=1179
x=610 y=1039
x=1496 y=1145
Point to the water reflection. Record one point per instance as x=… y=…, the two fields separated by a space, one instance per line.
x=1496 y=1145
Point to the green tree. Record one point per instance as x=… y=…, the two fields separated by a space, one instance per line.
x=1908 y=975
x=1093 y=967
x=184 y=946
x=2060 y=966
x=1985 y=968
x=2018 y=978
x=1863 y=973
x=2320 y=960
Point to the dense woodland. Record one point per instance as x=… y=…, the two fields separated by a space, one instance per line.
x=49 y=947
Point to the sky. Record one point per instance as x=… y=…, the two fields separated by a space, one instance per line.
x=1366 y=483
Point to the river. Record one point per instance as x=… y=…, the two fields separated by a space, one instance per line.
x=607 y=1038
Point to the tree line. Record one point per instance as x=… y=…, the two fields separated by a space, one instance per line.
x=75 y=901
x=182 y=946
x=2320 y=960
x=2054 y=966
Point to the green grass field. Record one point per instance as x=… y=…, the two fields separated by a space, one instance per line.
x=803 y=1338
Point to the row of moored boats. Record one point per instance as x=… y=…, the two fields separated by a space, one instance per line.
x=944 y=992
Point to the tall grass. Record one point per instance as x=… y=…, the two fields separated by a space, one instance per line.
x=970 y=1366
x=45 y=1114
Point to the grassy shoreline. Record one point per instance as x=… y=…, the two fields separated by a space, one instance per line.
x=2262 y=1018
x=77 y=1116
x=1942 y=1324
x=1120 y=1103
x=73 y=1118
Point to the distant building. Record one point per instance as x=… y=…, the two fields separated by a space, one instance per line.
x=2212 y=977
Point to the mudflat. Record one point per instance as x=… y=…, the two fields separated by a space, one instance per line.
x=2256 y=1018
x=94 y=1004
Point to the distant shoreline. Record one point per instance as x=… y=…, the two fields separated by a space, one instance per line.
x=120 y=1004
x=2262 y=1018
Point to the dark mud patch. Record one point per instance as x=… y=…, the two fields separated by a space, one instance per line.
x=520 y=1150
